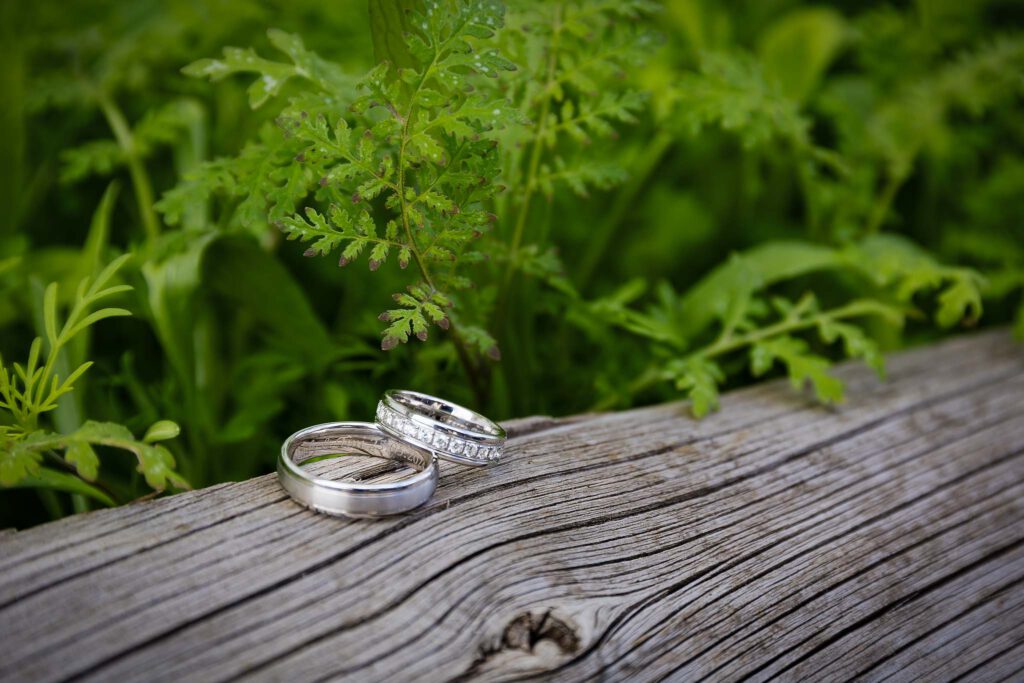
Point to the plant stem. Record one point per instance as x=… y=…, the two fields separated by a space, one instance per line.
x=140 y=179
x=472 y=372
x=790 y=323
x=460 y=344
x=884 y=202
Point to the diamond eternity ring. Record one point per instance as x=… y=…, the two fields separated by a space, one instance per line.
x=355 y=498
x=448 y=430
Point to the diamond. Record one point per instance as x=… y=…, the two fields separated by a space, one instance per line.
x=455 y=446
x=423 y=433
x=470 y=450
x=440 y=440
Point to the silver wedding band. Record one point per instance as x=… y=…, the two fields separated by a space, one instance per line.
x=355 y=498
x=447 y=429
x=413 y=429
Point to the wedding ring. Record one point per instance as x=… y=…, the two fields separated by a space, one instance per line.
x=448 y=430
x=355 y=498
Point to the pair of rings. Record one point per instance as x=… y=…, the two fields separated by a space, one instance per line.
x=412 y=429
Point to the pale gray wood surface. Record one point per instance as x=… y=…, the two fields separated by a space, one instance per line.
x=882 y=540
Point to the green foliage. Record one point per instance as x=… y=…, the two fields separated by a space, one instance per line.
x=407 y=163
x=35 y=388
x=272 y=75
x=732 y=310
x=158 y=128
x=798 y=48
x=416 y=157
x=30 y=391
x=548 y=207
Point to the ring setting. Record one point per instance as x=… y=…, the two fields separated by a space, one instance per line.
x=447 y=429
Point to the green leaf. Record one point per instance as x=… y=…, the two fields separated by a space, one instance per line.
x=101 y=433
x=699 y=378
x=961 y=301
x=46 y=478
x=389 y=24
x=856 y=344
x=748 y=272
x=580 y=175
x=761 y=359
x=172 y=285
x=801 y=365
x=81 y=455
x=314 y=228
x=155 y=462
x=99 y=157
x=272 y=75
x=157 y=466
x=798 y=48
x=402 y=322
x=97 y=316
x=480 y=339
x=99 y=231
x=161 y=431
x=731 y=91
x=16 y=462
x=894 y=261
x=50 y=313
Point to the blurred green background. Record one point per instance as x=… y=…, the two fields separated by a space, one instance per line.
x=755 y=122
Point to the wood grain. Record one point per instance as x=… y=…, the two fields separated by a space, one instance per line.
x=882 y=540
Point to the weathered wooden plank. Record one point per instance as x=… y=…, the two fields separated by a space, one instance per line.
x=880 y=539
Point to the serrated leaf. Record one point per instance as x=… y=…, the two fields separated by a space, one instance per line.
x=699 y=378
x=17 y=462
x=803 y=366
x=314 y=229
x=353 y=249
x=378 y=255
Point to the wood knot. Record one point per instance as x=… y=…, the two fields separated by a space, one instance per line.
x=527 y=630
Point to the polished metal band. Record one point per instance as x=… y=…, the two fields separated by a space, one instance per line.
x=355 y=498
x=449 y=430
